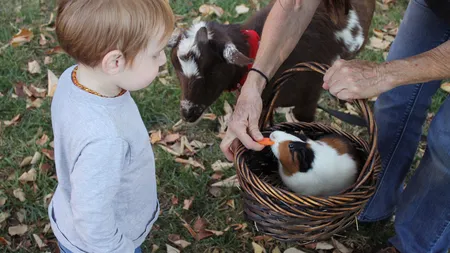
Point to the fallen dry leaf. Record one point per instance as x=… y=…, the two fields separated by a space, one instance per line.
x=4 y=216
x=23 y=36
x=229 y=182
x=340 y=247
x=37 y=103
x=378 y=43
x=216 y=176
x=258 y=248
x=200 y=224
x=230 y=203
x=26 y=161
x=220 y=166
x=174 y=200
x=50 y=154
x=3 y=201
x=13 y=121
x=241 y=9
x=209 y=9
x=171 y=249
x=42 y=40
x=293 y=250
x=155 y=136
x=155 y=248
x=378 y=33
x=187 y=203
x=47 y=199
x=29 y=176
x=52 y=83
x=276 y=250
x=18 y=193
x=215 y=232
x=209 y=116
x=171 y=138
x=324 y=246
x=47 y=228
x=190 y=162
x=36 y=157
x=182 y=243
x=21 y=215
x=5 y=242
x=38 y=92
x=34 y=67
x=18 y=230
x=42 y=140
x=203 y=234
x=48 y=60
x=215 y=191
x=19 y=89
x=169 y=150
x=446 y=87
x=39 y=241
x=45 y=167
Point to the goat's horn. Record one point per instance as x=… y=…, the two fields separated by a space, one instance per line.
x=234 y=56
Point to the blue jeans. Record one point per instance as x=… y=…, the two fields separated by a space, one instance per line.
x=422 y=209
x=65 y=250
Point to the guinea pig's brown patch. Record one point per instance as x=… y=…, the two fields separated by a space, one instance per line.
x=290 y=163
x=340 y=145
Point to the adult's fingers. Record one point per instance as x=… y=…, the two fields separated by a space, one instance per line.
x=226 y=144
x=240 y=130
x=330 y=72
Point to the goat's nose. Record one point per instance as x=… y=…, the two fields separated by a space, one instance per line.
x=189 y=115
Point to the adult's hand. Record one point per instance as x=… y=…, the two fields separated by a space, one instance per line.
x=244 y=122
x=355 y=79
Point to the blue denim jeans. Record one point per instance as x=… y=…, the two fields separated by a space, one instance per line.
x=422 y=209
x=63 y=249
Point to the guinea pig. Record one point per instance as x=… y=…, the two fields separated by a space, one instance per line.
x=322 y=167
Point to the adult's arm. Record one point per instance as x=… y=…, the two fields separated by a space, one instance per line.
x=284 y=26
x=357 y=79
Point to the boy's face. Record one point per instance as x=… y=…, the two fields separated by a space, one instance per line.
x=145 y=67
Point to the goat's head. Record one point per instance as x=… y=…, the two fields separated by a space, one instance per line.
x=208 y=58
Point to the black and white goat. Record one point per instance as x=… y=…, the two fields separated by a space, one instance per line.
x=210 y=58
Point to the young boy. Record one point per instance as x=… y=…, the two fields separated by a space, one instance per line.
x=106 y=199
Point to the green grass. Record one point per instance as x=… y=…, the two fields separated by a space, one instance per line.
x=159 y=105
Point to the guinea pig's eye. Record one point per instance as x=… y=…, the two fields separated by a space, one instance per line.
x=291 y=145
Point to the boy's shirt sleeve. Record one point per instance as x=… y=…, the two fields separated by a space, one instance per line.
x=95 y=181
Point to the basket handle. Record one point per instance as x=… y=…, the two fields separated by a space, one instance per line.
x=360 y=104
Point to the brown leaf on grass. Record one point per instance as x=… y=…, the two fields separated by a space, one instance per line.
x=18 y=89
x=155 y=248
x=220 y=166
x=155 y=136
x=178 y=125
x=230 y=203
x=258 y=248
x=47 y=228
x=176 y=239
x=39 y=241
x=216 y=176
x=378 y=43
x=446 y=87
x=171 y=138
x=26 y=161
x=209 y=116
x=389 y=2
x=215 y=232
x=3 y=201
x=23 y=36
x=37 y=92
x=47 y=199
x=203 y=234
x=209 y=9
x=29 y=176
x=1 y=95
x=34 y=67
x=237 y=227
x=190 y=162
x=378 y=33
x=241 y=9
x=276 y=250
x=14 y=121
x=200 y=224
x=229 y=182
x=21 y=215
x=44 y=139
x=18 y=230
x=36 y=103
x=174 y=200
x=52 y=82
x=43 y=41
x=262 y=238
x=36 y=157
x=55 y=50
x=48 y=60
x=50 y=154
x=340 y=247
x=324 y=246
x=45 y=167
x=187 y=203
x=4 y=216
x=169 y=150
x=215 y=191
x=19 y=194
x=293 y=250
x=4 y=242
x=171 y=249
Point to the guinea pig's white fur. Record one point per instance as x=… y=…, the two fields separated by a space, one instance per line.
x=330 y=173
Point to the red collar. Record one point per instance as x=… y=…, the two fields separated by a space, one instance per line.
x=253 y=42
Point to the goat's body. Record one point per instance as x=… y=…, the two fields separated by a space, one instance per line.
x=211 y=58
x=324 y=42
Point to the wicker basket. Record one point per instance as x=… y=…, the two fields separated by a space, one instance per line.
x=286 y=216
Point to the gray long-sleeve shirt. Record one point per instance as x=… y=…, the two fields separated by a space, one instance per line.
x=106 y=198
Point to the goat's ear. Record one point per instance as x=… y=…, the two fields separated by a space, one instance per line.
x=202 y=36
x=234 y=56
x=176 y=36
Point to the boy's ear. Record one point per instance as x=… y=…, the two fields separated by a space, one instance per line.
x=113 y=62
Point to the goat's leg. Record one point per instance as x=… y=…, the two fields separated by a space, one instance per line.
x=305 y=107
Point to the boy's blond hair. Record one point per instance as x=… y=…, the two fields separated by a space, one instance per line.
x=88 y=29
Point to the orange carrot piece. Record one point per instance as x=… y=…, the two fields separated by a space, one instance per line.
x=266 y=142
